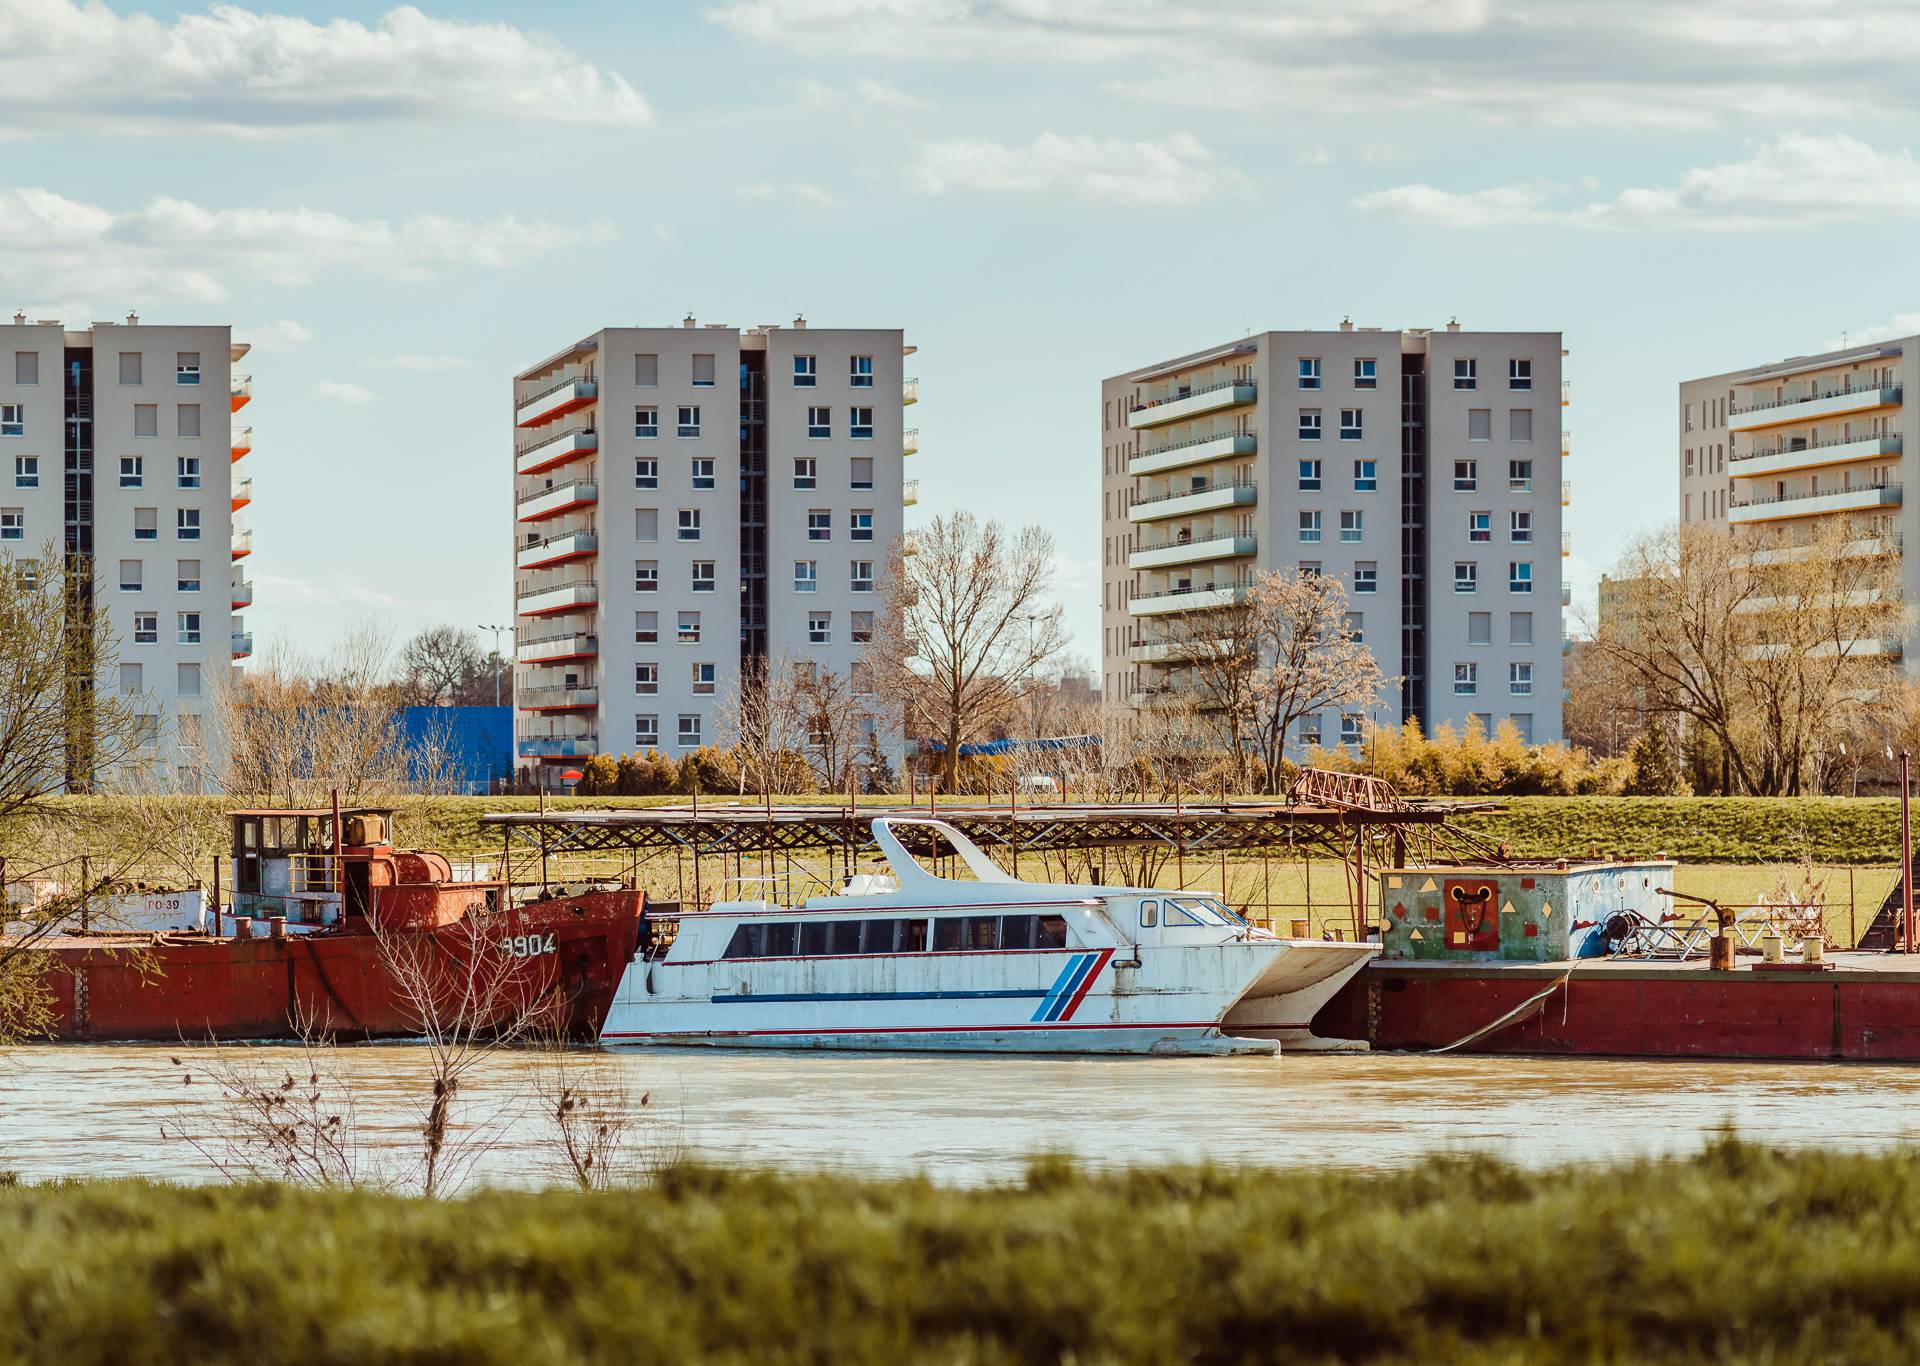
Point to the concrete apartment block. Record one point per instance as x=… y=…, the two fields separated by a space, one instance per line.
x=1423 y=467
x=687 y=499
x=121 y=444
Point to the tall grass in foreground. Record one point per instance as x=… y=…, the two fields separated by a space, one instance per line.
x=1739 y=1254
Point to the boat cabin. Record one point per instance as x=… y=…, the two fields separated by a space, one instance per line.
x=294 y=863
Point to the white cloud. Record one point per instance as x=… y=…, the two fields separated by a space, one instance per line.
x=337 y=391
x=65 y=63
x=1313 y=156
x=810 y=196
x=818 y=94
x=285 y=335
x=1644 y=62
x=1794 y=182
x=423 y=364
x=886 y=93
x=1900 y=325
x=1172 y=171
x=178 y=250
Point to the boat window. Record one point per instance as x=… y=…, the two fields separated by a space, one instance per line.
x=741 y=945
x=1192 y=910
x=845 y=937
x=1051 y=932
x=913 y=936
x=1149 y=913
x=878 y=935
x=779 y=940
x=948 y=934
x=1016 y=931
x=813 y=937
x=983 y=932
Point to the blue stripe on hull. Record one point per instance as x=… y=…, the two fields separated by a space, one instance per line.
x=761 y=998
x=1061 y=988
x=1080 y=971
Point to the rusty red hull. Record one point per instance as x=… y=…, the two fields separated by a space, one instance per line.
x=1866 y=1009
x=192 y=987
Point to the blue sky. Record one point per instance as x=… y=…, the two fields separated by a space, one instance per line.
x=402 y=207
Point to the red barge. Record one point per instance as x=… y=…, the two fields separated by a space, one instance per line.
x=331 y=929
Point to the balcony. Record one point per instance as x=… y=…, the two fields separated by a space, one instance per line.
x=1566 y=493
x=575 y=443
x=1198 y=451
x=1781 y=459
x=242 y=593
x=910 y=493
x=557 y=698
x=571 y=596
x=242 y=441
x=1891 y=543
x=1566 y=593
x=1158 y=554
x=1566 y=444
x=1173 y=651
x=1566 y=543
x=1229 y=393
x=565 y=397
x=242 y=493
x=1183 y=502
x=1813 y=504
x=242 y=542
x=240 y=391
x=568 y=545
x=909 y=543
x=553 y=649
x=1198 y=598
x=558 y=747
x=1566 y=392
x=909 y=392
x=242 y=644
x=1828 y=402
x=910 y=441
x=537 y=507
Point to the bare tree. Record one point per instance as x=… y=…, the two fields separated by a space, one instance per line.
x=1310 y=660
x=966 y=625
x=836 y=720
x=763 y=720
x=445 y=666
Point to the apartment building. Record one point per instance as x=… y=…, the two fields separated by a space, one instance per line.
x=689 y=498
x=1422 y=467
x=124 y=453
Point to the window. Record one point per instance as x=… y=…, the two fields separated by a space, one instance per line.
x=146 y=419
x=646 y=576
x=1309 y=476
x=1520 y=527
x=1349 y=424
x=1520 y=628
x=1520 y=424
x=860 y=423
x=862 y=477
x=13 y=419
x=806 y=471
x=1520 y=680
x=1523 y=725
x=1366 y=476
x=704 y=578
x=186 y=419
x=819 y=628
x=146 y=524
x=1308 y=568
x=146 y=628
x=1366 y=576
x=131 y=576
x=189 y=628
x=861 y=629
x=646 y=524
x=703 y=371
x=819 y=423
x=186 y=471
x=1479 y=424
x=186 y=524
x=1466 y=374
x=1466 y=576
x=1310 y=527
x=130 y=367
x=806 y=576
x=861 y=528
x=1350 y=525
x=1309 y=424
x=646 y=731
x=1309 y=730
x=1366 y=373
x=26 y=471
x=1479 y=628
x=646 y=472
x=646 y=371
x=132 y=472
x=687 y=632
x=1466 y=476
x=646 y=628
x=689 y=423
x=819 y=525
x=646 y=679
x=689 y=524
x=186 y=367
x=1519 y=374
x=1350 y=727
x=689 y=736
x=186 y=576
x=703 y=680
x=862 y=678
x=703 y=472
x=1520 y=576
x=1519 y=476
x=1355 y=625
x=186 y=680
x=646 y=422
x=862 y=577
x=26 y=367
x=1479 y=526
x=1466 y=680
x=805 y=372
x=1309 y=372
x=860 y=372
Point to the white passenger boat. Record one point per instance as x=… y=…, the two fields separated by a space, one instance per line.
x=908 y=960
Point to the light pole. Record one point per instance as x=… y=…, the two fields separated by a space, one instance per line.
x=1906 y=850
x=496 y=658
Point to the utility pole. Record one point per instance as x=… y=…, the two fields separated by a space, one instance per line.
x=497 y=660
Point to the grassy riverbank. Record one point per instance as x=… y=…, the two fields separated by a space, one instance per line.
x=1737 y=1255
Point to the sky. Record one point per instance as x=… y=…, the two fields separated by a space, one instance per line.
x=399 y=208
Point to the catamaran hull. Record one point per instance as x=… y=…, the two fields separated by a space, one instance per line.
x=1282 y=1003
x=1135 y=1040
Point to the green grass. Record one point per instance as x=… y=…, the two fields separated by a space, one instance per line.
x=1739 y=1254
x=1701 y=829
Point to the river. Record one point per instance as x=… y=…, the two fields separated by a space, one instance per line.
x=99 y=1110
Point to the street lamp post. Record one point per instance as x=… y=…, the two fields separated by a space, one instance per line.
x=496 y=657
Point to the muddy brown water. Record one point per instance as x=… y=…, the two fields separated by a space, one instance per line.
x=98 y=1110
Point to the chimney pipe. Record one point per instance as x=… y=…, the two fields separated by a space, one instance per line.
x=687 y=321
x=1453 y=324
x=133 y=319
x=1346 y=324
x=799 y=320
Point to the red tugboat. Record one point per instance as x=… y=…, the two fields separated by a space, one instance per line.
x=333 y=929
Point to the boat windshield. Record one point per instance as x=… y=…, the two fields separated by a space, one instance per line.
x=1199 y=910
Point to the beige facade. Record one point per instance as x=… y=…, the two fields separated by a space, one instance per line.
x=121 y=443
x=687 y=498
x=1422 y=467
